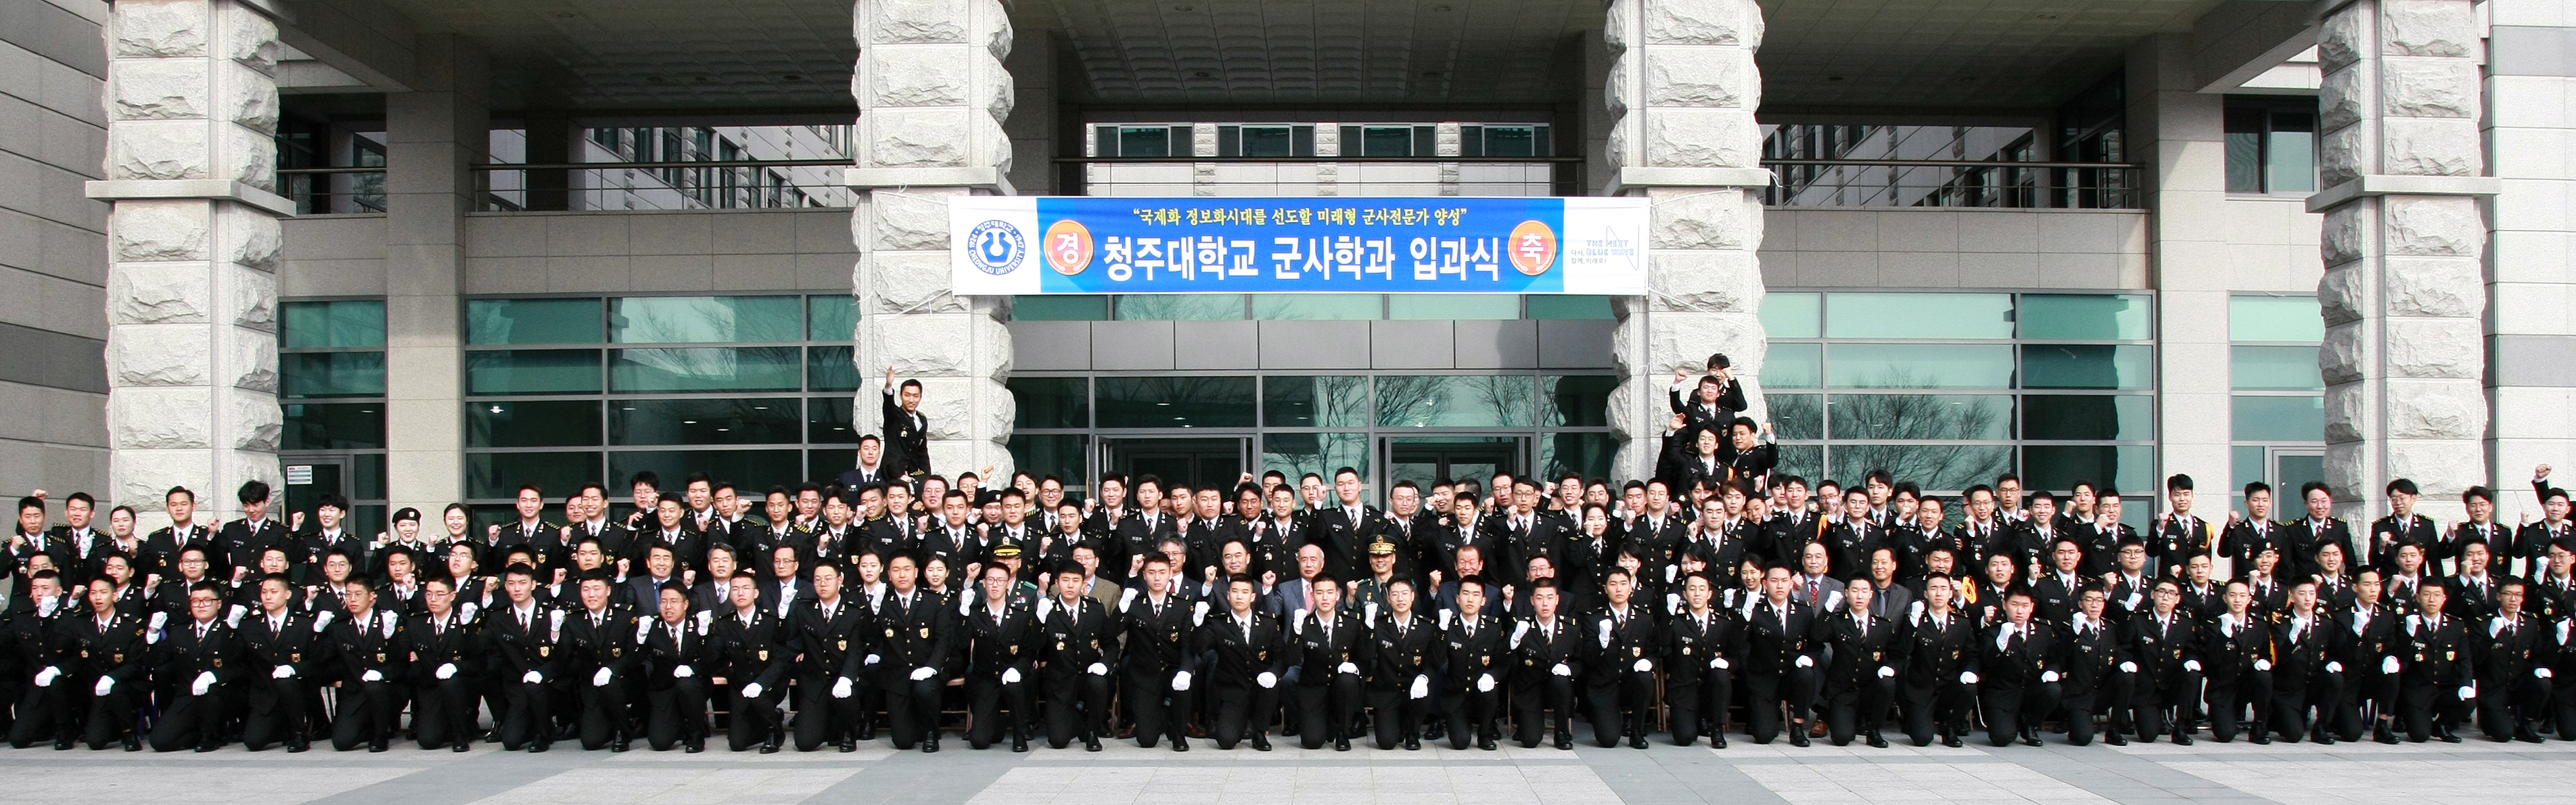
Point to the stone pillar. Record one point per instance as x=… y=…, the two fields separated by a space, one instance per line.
x=432 y=136
x=932 y=96
x=2401 y=167
x=192 y=246
x=2531 y=336
x=1683 y=88
x=2175 y=131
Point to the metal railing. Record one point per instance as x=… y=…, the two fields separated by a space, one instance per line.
x=1952 y=183
x=669 y=185
x=329 y=191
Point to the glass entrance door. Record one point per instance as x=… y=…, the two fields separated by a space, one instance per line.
x=1426 y=460
x=307 y=480
x=1195 y=461
x=2291 y=467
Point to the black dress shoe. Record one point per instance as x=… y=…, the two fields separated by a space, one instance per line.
x=1637 y=741
x=929 y=745
x=379 y=745
x=1717 y=739
x=1091 y=743
x=2259 y=737
x=1952 y=740
x=1412 y=744
x=2449 y=737
x=849 y=744
x=537 y=746
x=2182 y=738
x=2029 y=737
x=695 y=746
x=133 y=744
x=460 y=746
x=1798 y=735
x=1019 y=743
x=1564 y=743
x=1260 y=742
x=1877 y=741
x=1341 y=744
x=1486 y=743
x=205 y=747
x=867 y=729
x=2114 y=738
x=2383 y=734
x=1180 y=743
x=618 y=745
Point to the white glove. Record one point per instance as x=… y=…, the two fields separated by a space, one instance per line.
x=321 y=620
x=600 y=680
x=2388 y=666
x=152 y=638
x=2048 y=676
x=751 y=691
x=2542 y=673
x=233 y=616
x=1181 y=681
x=1885 y=671
x=45 y=678
x=924 y=672
x=105 y=684
x=2128 y=667
x=532 y=677
x=1347 y=668
x=372 y=676
x=1559 y=669
x=871 y=660
x=705 y=617
x=1805 y=661
x=282 y=672
x=1421 y=687
x=466 y=611
x=2469 y=691
x=1519 y=629
x=445 y=671
x=1605 y=633
x=683 y=672
x=1484 y=683
x=1010 y=676
x=1098 y=669
x=2191 y=665
x=205 y=682
x=1967 y=677
x=1266 y=679
x=1643 y=665
x=1720 y=663
x=841 y=688
x=2262 y=665
x=555 y=621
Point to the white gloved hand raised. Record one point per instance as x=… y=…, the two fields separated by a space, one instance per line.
x=372 y=675
x=2333 y=667
x=1559 y=669
x=1805 y=661
x=1484 y=683
x=205 y=682
x=1644 y=665
x=2542 y=673
x=1967 y=677
x=2388 y=666
x=1098 y=669
x=1181 y=680
x=282 y=672
x=1885 y=671
x=2262 y=665
x=683 y=672
x=1421 y=687
x=1266 y=679
x=2048 y=676
x=924 y=672
x=105 y=684
x=601 y=679
x=2191 y=665
x=1010 y=676
x=532 y=677
x=2128 y=667
x=445 y=670
x=1347 y=668
x=841 y=688
x=45 y=678
x=751 y=691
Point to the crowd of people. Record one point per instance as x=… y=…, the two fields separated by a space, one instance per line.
x=1721 y=592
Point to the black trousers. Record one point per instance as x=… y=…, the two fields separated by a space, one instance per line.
x=1241 y=711
x=820 y=717
x=603 y=712
x=752 y=719
x=2562 y=701
x=678 y=714
x=2508 y=706
x=2229 y=699
x=1616 y=702
x=1077 y=705
x=2109 y=694
x=189 y=721
x=529 y=708
x=1765 y=693
x=1860 y=708
x=2366 y=686
x=1396 y=715
x=1942 y=706
x=1534 y=694
x=2151 y=697
x=986 y=696
x=443 y=712
x=1470 y=713
x=1703 y=699
x=43 y=715
x=1329 y=705
x=912 y=708
x=1159 y=710
x=2320 y=692
x=277 y=711
x=367 y=714
x=2010 y=707
x=2428 y=705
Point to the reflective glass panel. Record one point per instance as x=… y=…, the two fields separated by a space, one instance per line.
x=1315 y=401
x=2087 y=366
x=1174 y=402
x=1060 y=308
x=748 y=469
x=830 y=369
x=331 y=374
x=1060 y=454
x=2275 y=368
x=1453 y=306
x=1575 y=400
x=2129 y=469
x=1793 y=366
x=828 y=421
x=345 y=323
x=691 y=319
x=1802 y=460
x=1586 y=453
x=1483 y=401
x=1793 y=315
x=532 y=321
x=532 y=423
x=1570 y=306
x=498 y=475
x=831 y=317
x=1797 y=416
x=333 y=426
x=1920 y=366
x=1334 y=306
x=1052 y=402
x=708 y=369
x=706 y=420
x=2274 y=318
x=1320 y=453
x=2087 y=417
x=532 y=371
x=2122 y=317
x=2279 y=419
x=1938 y=467
x=1179 y=307
x=1921 y=416
x=1918 y=315
x=824 y=464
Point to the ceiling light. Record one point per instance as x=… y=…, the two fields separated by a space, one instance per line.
x=496 y=409
x=688 y=422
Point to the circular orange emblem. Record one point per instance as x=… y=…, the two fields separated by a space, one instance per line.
x=1068 y=247
x=1532 y=247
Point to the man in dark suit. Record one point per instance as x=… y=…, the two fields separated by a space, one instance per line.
x=907 y=432
x=241 y=541
x=2017 y=672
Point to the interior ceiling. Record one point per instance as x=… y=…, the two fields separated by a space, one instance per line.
x=636 y=55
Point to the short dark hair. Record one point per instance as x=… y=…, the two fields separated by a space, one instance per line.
x=253 y=491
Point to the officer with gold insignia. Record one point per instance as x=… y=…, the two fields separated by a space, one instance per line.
x=675 y=662
x=291 y=648
x=915 y=649
x=835 y=644
x=447 y=662
x=1330 y=642
x=1550 y=653
x=1780 y=659
x=520 y=641
x=1078 y=641
x=1160 y=664
x=2368 y=640
x=373 y=664
x=2318 y=529
x=2438 y=682
x=1619 y=691
x=1860 y=669
x=1476 y=655
x=600 y=654
x=2515 y=699
x=200 y=654
x=1001 y=660
x=37 y=642
x=1940 y=682
x=746 y=647
x=1402 y=666
x=2237 y=649
x=1247 y=661
x=2017 y=663
x=2098 y=670
x=2402 y=526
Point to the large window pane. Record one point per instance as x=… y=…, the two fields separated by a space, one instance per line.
x=1174 y=402
x=2087 y=366
x=1052 y=402
x=1793 y=315
x=1921 y=366
x=688 y=421
x=1921 y=416
x=2127 y=469
x=1938 y=467
x=2271 y=367
x=1478 y=401
x=2279 y=419
x=1069 y=307
x=1797 y=416
x=2290 y=155
x=1059 y=454
x=689 y=319
x=708 y=369
x=1179 y=307
x=828 y=421
x=2122 y=317
x=1318 y=401
x=333 y=426
x=2245 y=462
x=1570 y=306
x=1587 y=454
x=830 y=369
x=331 y=374
x=1793 y=366
x=2274 y=318
x=532 y=321
x=747 y=469
x=532 y=371
x=1575 y=401
x=1453 y=306
x=498 y=475
x=2244 y=131
x=833 y=317
x=1918 y=315
x=1335 y=306
x=1802 y=460
x=345 y=323
x=2088 y=417
x=1320 y=453
x=532 y=423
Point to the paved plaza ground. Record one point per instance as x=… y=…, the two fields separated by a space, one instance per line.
x=2474 y=773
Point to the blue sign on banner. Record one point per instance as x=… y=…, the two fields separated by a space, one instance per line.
x=1018 y=245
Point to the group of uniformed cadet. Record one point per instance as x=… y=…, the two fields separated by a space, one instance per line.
x=892 y=598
